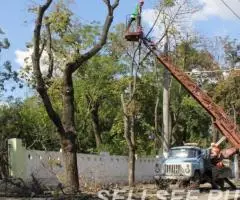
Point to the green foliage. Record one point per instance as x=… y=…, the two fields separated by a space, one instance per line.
x=227 y=94
x=169 y=3
x=29 y=122
x=230 y=48
x=189 y=57
x=69 y=34
x=102 y=80
x=6 y=72
x=196 y=119
x=9 y=118
x=190 y=121
x=96 y=83
x=60 y=18
x=4 y=44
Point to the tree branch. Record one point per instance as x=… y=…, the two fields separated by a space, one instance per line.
x=107 y=2
x=37 y=71
x=165 y=32
x=126 y=123
x=115 y=4
x=49 y=50
x=94 y=50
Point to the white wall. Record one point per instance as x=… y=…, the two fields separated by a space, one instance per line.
x=103 y=168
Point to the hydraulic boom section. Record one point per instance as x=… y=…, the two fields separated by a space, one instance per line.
x=221 y=120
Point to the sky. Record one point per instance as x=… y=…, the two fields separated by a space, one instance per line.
x=215 y=19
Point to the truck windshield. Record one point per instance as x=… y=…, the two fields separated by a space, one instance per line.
x=183 y=153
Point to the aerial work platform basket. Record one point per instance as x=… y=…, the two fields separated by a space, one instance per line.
x=133 y=36
x=134 y=32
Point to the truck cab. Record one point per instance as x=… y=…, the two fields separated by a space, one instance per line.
x=188 y=166
x=182 y=163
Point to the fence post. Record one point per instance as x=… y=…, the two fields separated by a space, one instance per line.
x=16 y=158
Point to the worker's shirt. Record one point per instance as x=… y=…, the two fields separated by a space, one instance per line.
x=136 y=11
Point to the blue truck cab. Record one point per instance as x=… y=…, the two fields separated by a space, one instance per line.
x=183 y=162
x=189 y=166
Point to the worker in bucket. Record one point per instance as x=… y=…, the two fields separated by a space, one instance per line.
x=136 y=16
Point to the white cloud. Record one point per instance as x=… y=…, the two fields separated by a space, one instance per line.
x=210 y=8
x=149 y=16
x=216 y=8
x=23 y=58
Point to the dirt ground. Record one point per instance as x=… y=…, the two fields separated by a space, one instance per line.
x=146 y=192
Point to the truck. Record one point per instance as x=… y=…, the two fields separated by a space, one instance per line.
x=189 y=166
x=201 y=166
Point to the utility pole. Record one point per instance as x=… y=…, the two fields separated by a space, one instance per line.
x=166 y=95
x=236 y=162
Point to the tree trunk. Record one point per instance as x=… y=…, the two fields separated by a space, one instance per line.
x=70 y=164
x=96 y=129
x=129 y=134
x=131 y=167
x=66 y=129
x=68 y=140
x=132 y=151
x=94 y=106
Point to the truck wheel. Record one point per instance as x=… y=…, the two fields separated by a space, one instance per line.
x=195 y=181
x=183 y=184
x=161 y=184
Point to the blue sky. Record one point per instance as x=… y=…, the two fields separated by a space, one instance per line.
x=213 y=20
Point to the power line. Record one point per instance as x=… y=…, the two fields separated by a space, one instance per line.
x=230 y=9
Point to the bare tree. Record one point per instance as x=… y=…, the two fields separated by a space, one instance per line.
x=173 y=14
x=130 y=111
x=129 y=134
x=65 y=125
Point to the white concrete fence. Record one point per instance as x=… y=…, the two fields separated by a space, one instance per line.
x=48 y=166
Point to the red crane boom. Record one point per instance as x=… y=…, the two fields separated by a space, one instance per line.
x=221 y=120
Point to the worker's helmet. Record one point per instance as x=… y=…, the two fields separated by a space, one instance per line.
x=141 y=1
